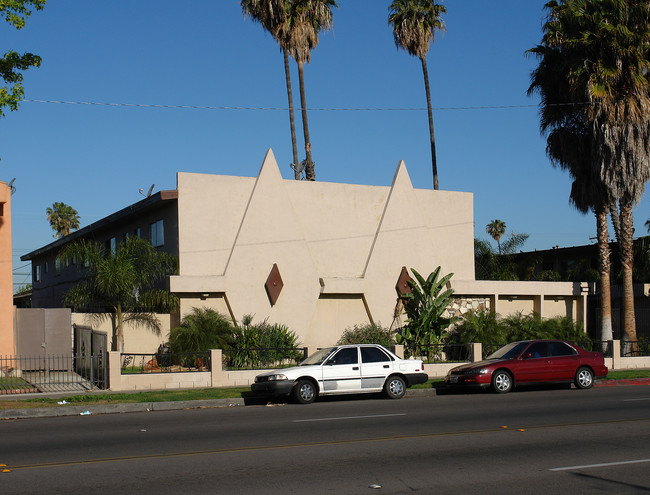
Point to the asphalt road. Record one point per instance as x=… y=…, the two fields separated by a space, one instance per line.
x=533 y=441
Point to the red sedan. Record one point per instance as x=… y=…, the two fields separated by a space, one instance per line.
x=531 y=361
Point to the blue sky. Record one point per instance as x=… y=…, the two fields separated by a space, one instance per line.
x=204 y=53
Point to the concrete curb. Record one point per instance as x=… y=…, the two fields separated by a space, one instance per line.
x=66 y=410
x=618 y=383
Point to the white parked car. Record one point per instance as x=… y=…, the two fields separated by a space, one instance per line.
x=344 y=369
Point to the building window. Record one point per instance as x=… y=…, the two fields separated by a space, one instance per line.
x=111 y=246
x=37 y=273
x=157 y=234
x=47 y=266
x=137 y=233
x=57 y=266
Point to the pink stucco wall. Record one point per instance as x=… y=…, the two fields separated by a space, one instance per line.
x=7 y=345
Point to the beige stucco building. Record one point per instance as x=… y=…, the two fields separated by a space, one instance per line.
x=338 y=249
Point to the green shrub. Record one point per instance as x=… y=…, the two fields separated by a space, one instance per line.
x=489 y=329
x=527 y=327
x=201 y=330
x=368 y=333
x=481 y=326
x=262 y=345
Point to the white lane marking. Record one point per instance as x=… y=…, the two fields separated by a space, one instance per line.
x=630 y=400
x=347 y=417
x=605 y=464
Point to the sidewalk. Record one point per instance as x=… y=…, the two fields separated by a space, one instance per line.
x=68 y=410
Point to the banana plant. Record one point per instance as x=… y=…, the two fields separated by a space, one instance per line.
x=424 y=306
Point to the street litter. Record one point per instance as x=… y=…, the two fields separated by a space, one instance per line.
x=63 y=402
x=85 y=413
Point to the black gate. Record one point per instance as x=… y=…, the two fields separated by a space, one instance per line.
x=90 y=355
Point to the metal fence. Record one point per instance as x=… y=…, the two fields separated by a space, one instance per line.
x=165 y=362
x=440 y=353
x=250 y=359
x=33 y=374
x=635 y=349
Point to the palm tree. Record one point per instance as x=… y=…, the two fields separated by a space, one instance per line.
x=414 y=25
x=569 y=147
x=121 y=285
x=62 y=218
x=604 y=48
x=496 y=228
x=299 y=35
x=272 y=16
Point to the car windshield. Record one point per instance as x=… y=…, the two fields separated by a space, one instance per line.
x=318 y=357
x=509 y=351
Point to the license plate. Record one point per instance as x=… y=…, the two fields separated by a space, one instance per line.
x=453 y=379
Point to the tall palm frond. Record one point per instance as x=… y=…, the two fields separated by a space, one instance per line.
x=122 y=284
x=594 y=81
x=415 y=23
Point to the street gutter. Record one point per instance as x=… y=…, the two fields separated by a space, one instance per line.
x=127 y=407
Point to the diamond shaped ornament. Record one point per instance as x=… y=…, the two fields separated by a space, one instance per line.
x=274 y=284
x=402 y=286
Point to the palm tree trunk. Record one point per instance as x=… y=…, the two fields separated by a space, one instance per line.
x=627 y=262
x=119 y=327
x=310 y=173
x=434 y=164
x=616 y=219
x=114 y=338
x=292 y=122
x=605 y=269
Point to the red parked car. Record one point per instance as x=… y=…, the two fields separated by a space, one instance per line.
x=531 y=361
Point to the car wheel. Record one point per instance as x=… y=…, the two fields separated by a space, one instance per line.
x=584 y=378
x=395 y=388
x=304 y=392
x=501 y=382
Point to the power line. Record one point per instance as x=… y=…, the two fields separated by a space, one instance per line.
x=351 y=109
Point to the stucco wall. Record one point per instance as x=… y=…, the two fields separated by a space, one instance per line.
x=137 y=339
x=339 y=248
x=7 y=344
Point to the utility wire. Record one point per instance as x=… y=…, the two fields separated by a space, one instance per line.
x=204 y=107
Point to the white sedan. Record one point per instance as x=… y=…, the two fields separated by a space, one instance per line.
x=345 y=369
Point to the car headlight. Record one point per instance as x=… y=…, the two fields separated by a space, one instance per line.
x=275 y=378
x=477 y=371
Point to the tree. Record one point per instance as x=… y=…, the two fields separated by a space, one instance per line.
x=299 y=35
x=16 y=12
x=490 y=265
x=62 y=218
x=569 y=147
x=414 y=25
x=496 y=228
x=424 y=306
x=272 y=16
x=598 y=54
x=121 y=285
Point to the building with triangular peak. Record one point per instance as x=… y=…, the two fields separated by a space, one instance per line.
x=317 y=257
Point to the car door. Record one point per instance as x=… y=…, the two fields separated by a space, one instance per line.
x=564 y=361
x=376 y=365
x=534 y=365
x=341 y=372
